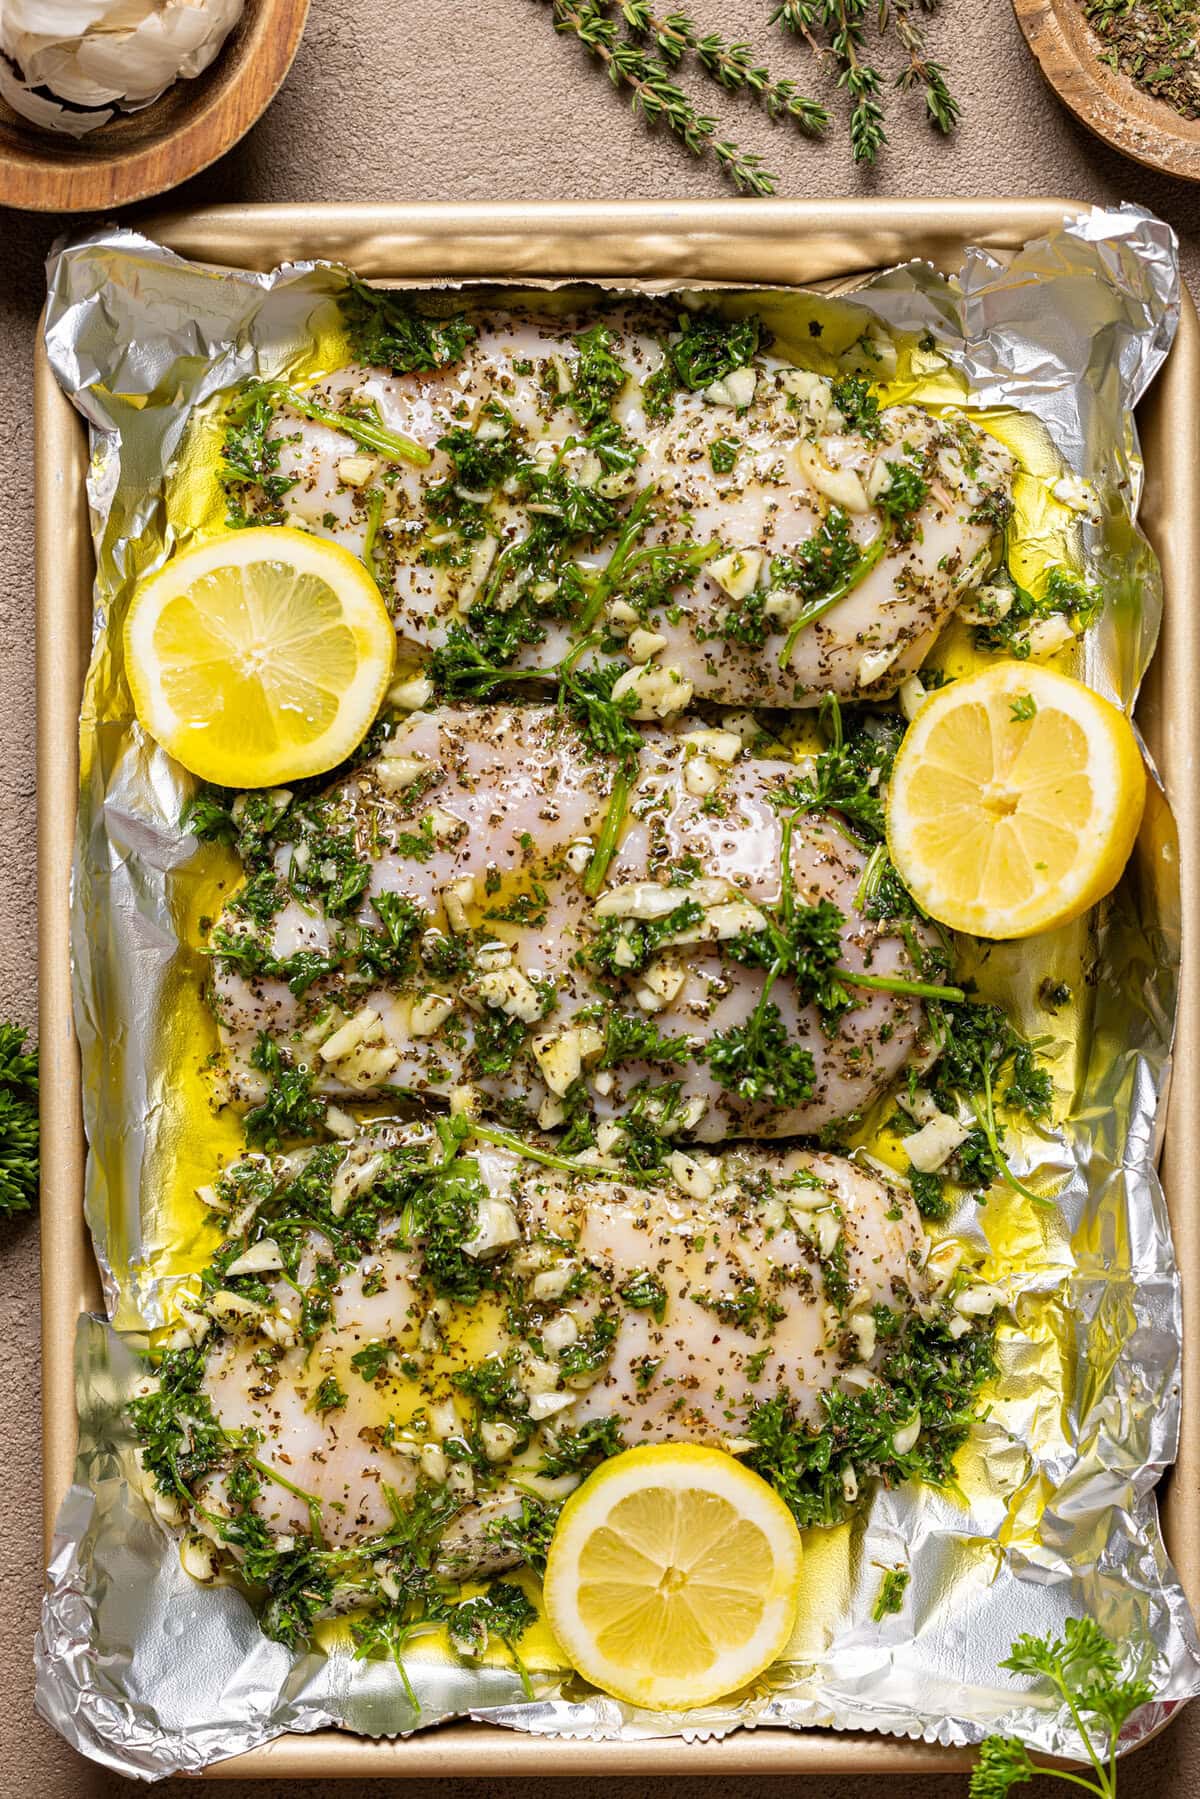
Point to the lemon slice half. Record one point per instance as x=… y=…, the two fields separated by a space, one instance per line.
x=672 y=1576
x=1014 y=801
x=259 y=656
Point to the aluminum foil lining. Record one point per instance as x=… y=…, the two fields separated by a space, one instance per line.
x=151 y=1674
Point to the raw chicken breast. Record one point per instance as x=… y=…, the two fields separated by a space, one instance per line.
x=469 y=837
x=775 y=489
x=666 y=1312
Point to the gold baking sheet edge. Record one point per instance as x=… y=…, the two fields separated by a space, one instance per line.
x=781 y=242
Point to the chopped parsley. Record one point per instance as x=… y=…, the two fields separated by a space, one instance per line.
x=986 y=1062
x=576 y=1450
x=442 y=1216
x=498 y=1041
x=372 y=1359
x=291 y=1108
x=599 y=378
x=892 y=1589
x=389 y=331
x=822 y=561
x=591 y=1348
x=495 y=1387
x=859 y=407
x=758 y=1061
x=850 y=774
x=18 y=1122
x=330 y=1396
x=250 y=474
x=623 y=946
x=923 y=1369
x=906 y=492
x=723 y=454
x=1063 y=596
x=644 y=1292
x=632 y=1037
x=705 y=349
x=929 y=1195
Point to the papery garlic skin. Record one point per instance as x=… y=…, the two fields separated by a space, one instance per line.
x=71 y=65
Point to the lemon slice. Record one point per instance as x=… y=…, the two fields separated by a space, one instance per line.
x=259 y=656
x=672 y=1576
x=1014 y=801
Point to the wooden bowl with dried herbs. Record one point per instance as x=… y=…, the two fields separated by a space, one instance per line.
x=1129 y=69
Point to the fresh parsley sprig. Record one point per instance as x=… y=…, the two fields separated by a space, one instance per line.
x=18 y=1122
x=1086 y=1671
x=849 y=775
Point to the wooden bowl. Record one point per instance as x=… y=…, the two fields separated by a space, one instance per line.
x=1124 y=115
x=141 y=153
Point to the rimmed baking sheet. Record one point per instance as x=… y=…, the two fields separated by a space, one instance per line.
x=777 y=243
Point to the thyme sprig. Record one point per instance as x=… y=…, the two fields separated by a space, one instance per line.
x=675 y=36
x=941 y=106
x=659 y=99
x=836 y=31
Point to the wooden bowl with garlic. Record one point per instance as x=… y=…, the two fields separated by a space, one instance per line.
x=103 y=102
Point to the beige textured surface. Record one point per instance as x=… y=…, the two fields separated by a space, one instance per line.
x=466 y=99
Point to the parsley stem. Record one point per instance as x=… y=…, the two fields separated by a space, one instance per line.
x=523 y=1671
x=636 y=520
x=374 y=515
x=986 y=1116
x=564 y=668
x=368 y=432
x=862 y=568
x=787 y=896
x=610 y=830
x=887 y=983
x=508 y=554
x=1072 y=1704
x=310 y=1500
x=401 y=1642
x=505 y=1140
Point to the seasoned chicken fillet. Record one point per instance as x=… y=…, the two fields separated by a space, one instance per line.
x=483 y=1363
x=533 y=519
x=430 y=922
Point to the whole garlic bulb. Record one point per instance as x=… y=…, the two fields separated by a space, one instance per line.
x=70 y=65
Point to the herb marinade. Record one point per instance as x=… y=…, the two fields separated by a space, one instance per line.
x=295 y=1213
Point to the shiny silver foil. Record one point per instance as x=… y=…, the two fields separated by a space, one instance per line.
x=151 y=1674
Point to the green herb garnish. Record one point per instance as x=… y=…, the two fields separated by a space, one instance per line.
x=18 y=1122
x=1085 y=1670
x=388 y=330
